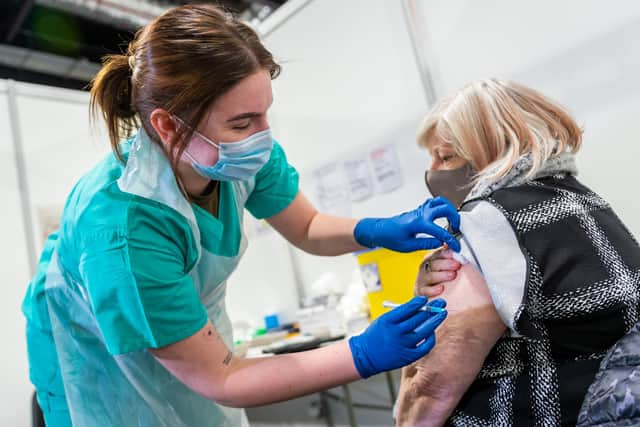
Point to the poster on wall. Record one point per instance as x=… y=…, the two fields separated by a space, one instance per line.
x=386 y=168
x=331 y=190
x=359 y=178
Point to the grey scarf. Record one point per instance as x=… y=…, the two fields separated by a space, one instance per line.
x=563 y=163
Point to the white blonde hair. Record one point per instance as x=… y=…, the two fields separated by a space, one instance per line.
x=492 y=123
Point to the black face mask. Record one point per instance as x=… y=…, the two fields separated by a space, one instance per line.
x=453 y=184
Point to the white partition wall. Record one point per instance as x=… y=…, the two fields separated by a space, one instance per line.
x=15 y=391
x=582 y=53
x=264 y=282
x=59 y=146
x=349 y=84
x=49 y=129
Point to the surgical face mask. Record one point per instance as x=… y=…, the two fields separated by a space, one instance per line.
x=452 y=184
x=237 y=161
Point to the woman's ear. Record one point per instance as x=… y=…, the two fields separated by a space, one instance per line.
x=164 y=125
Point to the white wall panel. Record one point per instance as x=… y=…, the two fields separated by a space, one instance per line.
x=57 y=148
x=59 y=145
x=582 y=53
x=15 y=391
x=263 y=283
x=349 y=83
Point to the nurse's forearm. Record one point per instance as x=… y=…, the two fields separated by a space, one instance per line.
x=330 y=235
x=205 y=364
x=260 y=381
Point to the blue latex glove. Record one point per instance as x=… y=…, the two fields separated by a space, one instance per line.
x=398 y=233
x=396 y=338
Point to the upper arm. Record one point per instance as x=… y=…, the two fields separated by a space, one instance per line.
x=482 y=305
x=276 y=186
x=201 y=361
x=467 y=291
x=143 y=297
x=433 y=386
x=491 y=244
x=293 y=222
x=138 y=281
x=470 y=331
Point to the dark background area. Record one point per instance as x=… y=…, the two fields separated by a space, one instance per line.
x=61 y=42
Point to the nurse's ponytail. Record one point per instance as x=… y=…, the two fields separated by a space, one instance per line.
x=182 y=62
x=111 y=97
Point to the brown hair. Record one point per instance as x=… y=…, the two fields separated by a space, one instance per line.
x=182 y=61
x=491 y=123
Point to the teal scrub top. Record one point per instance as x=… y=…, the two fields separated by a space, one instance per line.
x=134 y=265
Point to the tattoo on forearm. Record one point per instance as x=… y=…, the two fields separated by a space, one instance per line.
x=227 y=359
x=210 y=334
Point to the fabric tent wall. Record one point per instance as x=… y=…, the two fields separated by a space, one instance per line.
x=354 y=85
x=582 y=53
x=49 y=130
x=15 y=392
x=348 y=87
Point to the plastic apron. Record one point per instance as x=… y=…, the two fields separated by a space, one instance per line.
x=133 y=388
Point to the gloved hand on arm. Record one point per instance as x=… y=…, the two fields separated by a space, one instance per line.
x=399 y=233
x=397 y=338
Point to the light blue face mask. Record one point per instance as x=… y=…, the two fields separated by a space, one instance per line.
x=237 y=161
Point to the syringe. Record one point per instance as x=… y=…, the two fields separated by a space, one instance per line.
x=389 y=304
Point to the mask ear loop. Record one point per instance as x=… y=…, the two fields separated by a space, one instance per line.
x=191 y=158
x=188 y=154
x=183 y=189
x=207 y=140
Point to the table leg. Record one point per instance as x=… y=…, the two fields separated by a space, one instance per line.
x=349 y=405
x=392 y=387
x=325 y=409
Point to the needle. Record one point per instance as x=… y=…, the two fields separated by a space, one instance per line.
x=389 y=304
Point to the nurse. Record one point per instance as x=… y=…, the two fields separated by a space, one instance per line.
x=126 y=321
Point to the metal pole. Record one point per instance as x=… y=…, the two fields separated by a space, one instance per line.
x=26 y=7
x=349 y=405
x=422 y=61
x=325 y=409
x=392 y=388
x=23 y=184
x=297 y=274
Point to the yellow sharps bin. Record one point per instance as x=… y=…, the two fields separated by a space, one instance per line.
x=388 y=275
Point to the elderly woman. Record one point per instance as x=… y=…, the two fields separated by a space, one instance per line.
x=553 y=278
